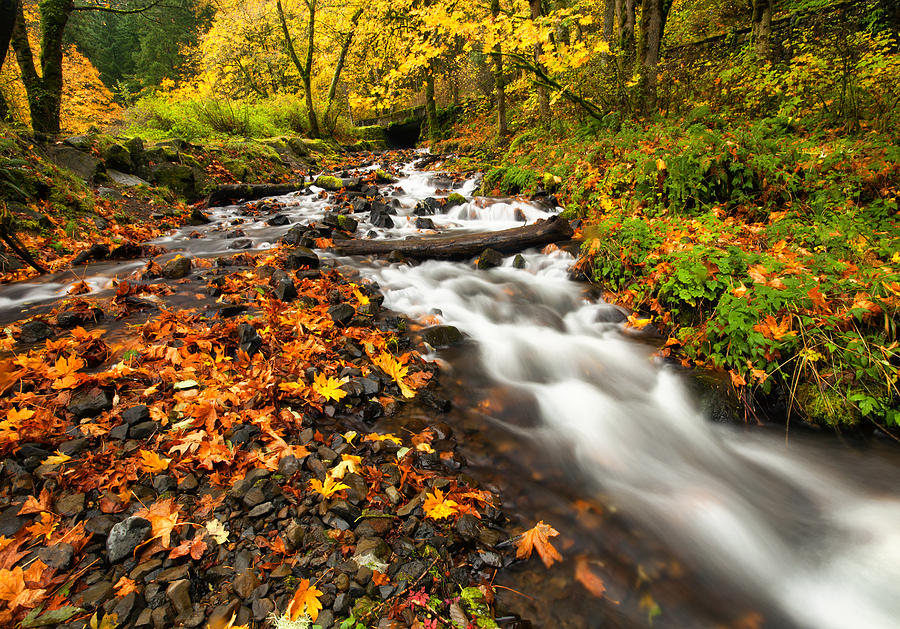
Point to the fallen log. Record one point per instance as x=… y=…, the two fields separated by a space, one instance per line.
x=464 y=246
x=228 y=193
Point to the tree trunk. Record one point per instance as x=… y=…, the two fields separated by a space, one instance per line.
x=609 y=24
x=464 y=246
x=761 y=30
x=653 y=19
x=7 y=20
x=430 y=105
x=543 y=100
x=345 y=48
x=307 y=78
x=499 y=83
x=626 y=21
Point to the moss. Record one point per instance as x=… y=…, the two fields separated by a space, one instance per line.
x=454 y=199
x=474 y=600
x=826 y=407
x=569 y=213
x=382 y=176
x=329 y=183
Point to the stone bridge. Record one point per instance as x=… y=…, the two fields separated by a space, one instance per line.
x=401 y=128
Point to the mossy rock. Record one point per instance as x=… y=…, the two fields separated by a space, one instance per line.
x=382 y=176
x=372 y=132
x=318 y=146
x=569 y=213
x=478 y=607
x=826 y=407
x=328 y=182
x=454 y=199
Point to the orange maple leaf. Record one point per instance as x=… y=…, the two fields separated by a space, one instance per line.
x=538 y=538
x=45 y=527
x=163 y=516
x=305 y=601
x=330 y=388
x=124 y=587
x=437 y=507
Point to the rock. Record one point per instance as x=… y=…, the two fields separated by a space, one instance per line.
x=118 y=157
x=89 y=403
x=519 y=261
x=519 y=215
x=261 y=511
x=198 y=218
x=11 y=522
x=250 y=340
x=136 y=415
x=178 y=178
x=372 y=552
x=241 y=243
x=262 y=607
x=381 y=220
x=424 y=223
x=288 y=465
x=127 y=251
x=82 y=164
x=453 y=200
x=96 y=252
x=439 y=336
x=342 y=313
x=347 y=224
x=125 y=537
x=161 y=617
x=278 y=220
x=176 y=268
x=358 y=488
x=293 y=535
x=329 y=183
x=70 y=504
x=126 y=180
x=163 y=483
x=489 y=259
x=81 y=142
x=302 y=258
x=35 y=332
x=179 y=594
x=59 y=556
x=144 y=430
x=245 y=583
x=286 y=290
x=94 y=596
x=294 y=235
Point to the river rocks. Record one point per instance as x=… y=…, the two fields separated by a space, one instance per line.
x=278 y=220
x=241 y=243
x=424 y=223
x=82 y=164
x=34 y=332
x=489 y=259
x=176 y=268
x=342 y=314
x=125 y=537
x=178 y=178
x=453 y=200
x=59 y=556
x=285 y=290
x=439 y=336
x=302 y=258
x=118 y=157
x=98 y=251
x=179 y=594
x=519 y=261
x=90 y=402
x=381 y=219
x=346 y=223
x=198 y=218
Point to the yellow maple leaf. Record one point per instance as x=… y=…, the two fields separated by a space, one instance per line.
x=153 y=463
x=330 y=388
x=436 y=506
x=163 y=517
x=349 y=464
x=538 y=538
x=386 y=437
x=329 y=488
x=56 y=459
x=305 y=601
x=637 y=322
x=396 y=370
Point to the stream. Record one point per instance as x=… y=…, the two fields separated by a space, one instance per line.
x=688 y=522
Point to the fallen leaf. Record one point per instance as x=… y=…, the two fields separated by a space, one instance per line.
x=216 y=530
x=538 y=538
x=587 y=578
x=153 y=463
x=437 y=507
x=305 y=601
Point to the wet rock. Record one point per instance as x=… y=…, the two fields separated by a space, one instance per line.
x=245 y=583
x=345 y=510
x=262 y=607
x=424 y=223
x=124 y=179
x=293 y=535
x=519 y=261
x=178 y=178
x=489 y=259
x=89 y=403
x=71 y=319
x=381 y=220
x=70 y=504
x=73 y=447
x=519 y=215
x=358 y=488
x=176 y=268
x=127 y=251
x=198 y=218
x=278 y=220
x=439 y=336
x=241 y=243
x=342 y=313
x=118 y=157
x=347 y=224
x=59 y=556
x=163 y=483
x=11 y=522
x=294 y=235
x=371 y=552
x=288 y=465
x=302 y=258
x=250 y=340
x=82 y=164
x=453 y=200
x=261 y=511
x=136 y=415
x=179 y=594
x=35 y=332
x=162 y=617
x=125 y=537
x=94 y=596
x=97 y=252
x=286 y=290
x=144 y=430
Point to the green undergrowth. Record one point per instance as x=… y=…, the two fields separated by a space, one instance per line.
x=764 y=250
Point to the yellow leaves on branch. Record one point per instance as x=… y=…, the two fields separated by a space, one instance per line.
x=437 y=506
x=305 y=602
x=538 y=538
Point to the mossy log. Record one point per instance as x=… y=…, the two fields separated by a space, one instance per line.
x=229 y=193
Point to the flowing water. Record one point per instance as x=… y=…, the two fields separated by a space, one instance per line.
x=580 y=425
